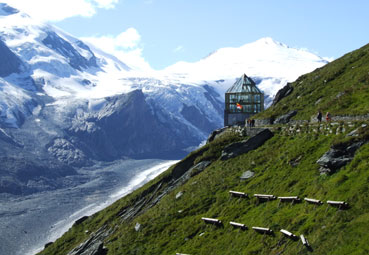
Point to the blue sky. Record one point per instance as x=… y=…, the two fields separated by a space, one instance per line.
x=162 y=32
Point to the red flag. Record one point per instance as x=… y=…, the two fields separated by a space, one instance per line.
x=239 y=107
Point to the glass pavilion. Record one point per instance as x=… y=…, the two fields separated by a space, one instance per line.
x=242 y=100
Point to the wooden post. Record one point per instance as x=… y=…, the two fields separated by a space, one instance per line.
x=304 y=241
x=238 y=194
x=339 y=204
x=288 y=234
x=263 y=230
x=313 y=201
x=264 y=197
x=212 y=221
x=238 y=225
x=291 y=199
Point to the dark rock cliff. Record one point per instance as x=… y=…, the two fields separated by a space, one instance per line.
x=128 y=126
x=9 y=63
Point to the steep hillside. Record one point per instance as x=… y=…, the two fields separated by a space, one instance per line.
x=341 y=87
x=327 y=162
x=164 y=216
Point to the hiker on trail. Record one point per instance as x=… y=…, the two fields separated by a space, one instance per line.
x=319 y=116
x=252 y=123
x=248 y=122
x=328 y=117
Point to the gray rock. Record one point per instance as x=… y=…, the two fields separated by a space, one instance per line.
x=247 y=175
x=198 y=168
x=354 y=133
x=67 y=153
x=9 y=63
x=179 y=195
x=76 y=60
x=215 y=134
x=94 y=244
x=337 y=157
x=282 y=93
x=284 y=119
x=238 y=148
x=80 y=220
x=137 y=226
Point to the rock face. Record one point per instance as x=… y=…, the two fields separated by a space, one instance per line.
x=76 y=60
x=245 y=146
x=282 y=93
x=337 y=157
x=127 y=125
x=194 y=115
x=284 y=119
x=93 y=245
x=9 y=63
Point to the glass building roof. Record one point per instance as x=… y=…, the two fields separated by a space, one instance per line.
x=244 y=84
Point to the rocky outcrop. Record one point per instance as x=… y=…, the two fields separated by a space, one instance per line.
x=180 y=174
x=129 y=126
x=215 y=134
x=285 y=118
x=337 y=157
x=282 y=93
x=67 y=153
x=9 y=63
x=94 y=244
x=238 y=148
x=63 y=47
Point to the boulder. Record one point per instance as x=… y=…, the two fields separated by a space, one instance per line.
x=213 y=135
x=336 y=157
x=247 y=175
x=137 y=226
x=80 y=220
x=285 y=118
x=282 y=93
x=238 y=148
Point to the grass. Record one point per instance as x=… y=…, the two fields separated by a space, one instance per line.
x=175 y=225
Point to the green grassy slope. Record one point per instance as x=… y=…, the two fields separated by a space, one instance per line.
x=175 y=225
x=284 y=166
x=340 y=87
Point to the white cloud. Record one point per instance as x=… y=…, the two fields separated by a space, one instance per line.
x=57 y=10
x=178 y=48
x=125 y=46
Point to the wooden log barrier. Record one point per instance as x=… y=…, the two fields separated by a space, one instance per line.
x=313 y=201
x=264 y=196
x=293 y=199
x=212 y=221
x=339 y=204
x=238 y=225
x=304 y=241
x=288 y=234
x=238 y=194
x=267 y=231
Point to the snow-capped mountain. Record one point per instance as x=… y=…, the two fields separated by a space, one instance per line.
x=270 y=63
x=64 y=104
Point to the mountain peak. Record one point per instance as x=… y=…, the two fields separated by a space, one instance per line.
x=270 y=41
x=6 y=10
